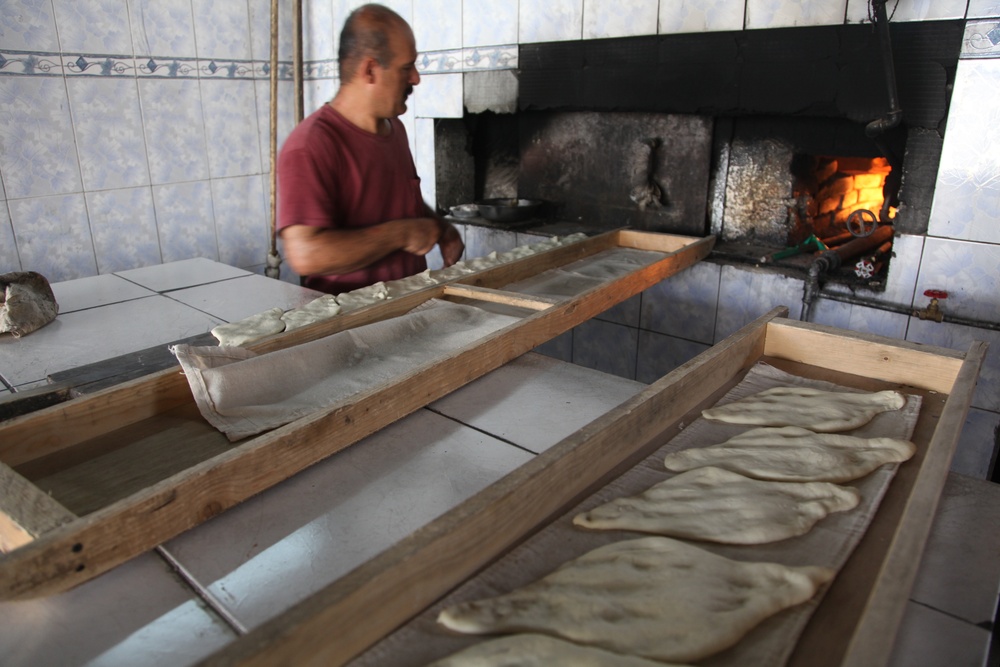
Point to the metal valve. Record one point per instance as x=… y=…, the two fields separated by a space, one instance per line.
x=933 y=310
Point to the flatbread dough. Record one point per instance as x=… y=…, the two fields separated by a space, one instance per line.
x=363 y=296
x=653 y=597
x=316 y=310
x=716 y=505
x=793 y=454
x=250 y=328
x=530 y=650
x=814 y=409
x=397 y=288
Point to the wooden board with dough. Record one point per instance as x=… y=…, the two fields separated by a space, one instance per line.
x=102 y=478
x=520 y=528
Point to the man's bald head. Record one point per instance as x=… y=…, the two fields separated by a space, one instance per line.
x=366 y=34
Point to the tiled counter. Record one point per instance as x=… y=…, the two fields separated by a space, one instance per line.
x=202 y=589
x=105 y=316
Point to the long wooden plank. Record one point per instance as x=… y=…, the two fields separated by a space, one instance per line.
x=499 y=296
x=25 y=511
x=891 y=589
x=866 y=355
x=628 y=238
x=47 y=431
x=94 y=544
x=402 y=581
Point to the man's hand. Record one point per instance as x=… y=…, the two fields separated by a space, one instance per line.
x=451 y=244
x=421 y=235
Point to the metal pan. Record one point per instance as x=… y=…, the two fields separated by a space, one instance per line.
x=509 y=210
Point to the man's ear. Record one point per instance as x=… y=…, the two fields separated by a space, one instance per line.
x=368 y=71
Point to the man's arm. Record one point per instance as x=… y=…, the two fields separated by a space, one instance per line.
x=319 y=250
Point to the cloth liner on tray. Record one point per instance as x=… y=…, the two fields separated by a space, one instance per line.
x=828 y=544
x=243 y=393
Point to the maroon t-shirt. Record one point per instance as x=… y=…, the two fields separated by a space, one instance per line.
x=332 y=173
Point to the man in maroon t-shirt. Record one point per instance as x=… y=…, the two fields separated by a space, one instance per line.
x=350 y=208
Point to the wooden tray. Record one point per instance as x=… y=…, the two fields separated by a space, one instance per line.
x=89 y=483
x=856 y=622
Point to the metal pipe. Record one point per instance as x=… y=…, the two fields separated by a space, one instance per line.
x=903 y=310
x=297 y=58
x=273 y=267
x=876 y=128
x=831 y=259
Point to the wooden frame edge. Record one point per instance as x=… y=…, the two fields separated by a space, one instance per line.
x=393 y=586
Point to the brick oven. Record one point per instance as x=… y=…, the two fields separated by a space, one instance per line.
x=762 y=137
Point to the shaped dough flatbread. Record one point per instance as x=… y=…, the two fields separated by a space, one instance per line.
x=316 y=310
x=720 y=506
x=527 y=650
x=792 y=454
x=250 y=328
x=814 y=409
x=653 y=597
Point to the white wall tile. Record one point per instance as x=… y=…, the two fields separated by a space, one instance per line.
x=222 y=29
x=9 y=259
x=94 y=27
x=969 y=272
x=627 y=312
x=684 y=305
x=230 y=110
x=489 y=22
x=37 y=148
x=974 y=452
x=909 y=10
x=958 y=337
x=53 y=236
x=185 y=221
x=318 y=30
x=552 y=21
x=31 y=27
x=606 y=347
x=983 y=9
x=746 y=294
x=162 y=28
x=286 y=115
x=174 y=129
x=860 y=318
x=437 y=24
x=109 y=134
x=659 y=354
x=124 y=228
x=701 y=15
x=423 y=157
x=967 y=194
x=619 y=18
x=481 y=241
x=241 y=220
x=260 y=29
x=315 y=94
x=409 y=121
x=788 y=13
x=438 y=96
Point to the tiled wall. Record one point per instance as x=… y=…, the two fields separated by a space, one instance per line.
x=134 y=132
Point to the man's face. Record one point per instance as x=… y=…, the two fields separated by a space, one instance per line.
x=399 y=78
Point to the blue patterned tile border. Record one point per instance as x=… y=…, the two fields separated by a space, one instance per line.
x=98 y=65
x=38 y=63
x=468 y=60
x=490 y=57
x=982 y=39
